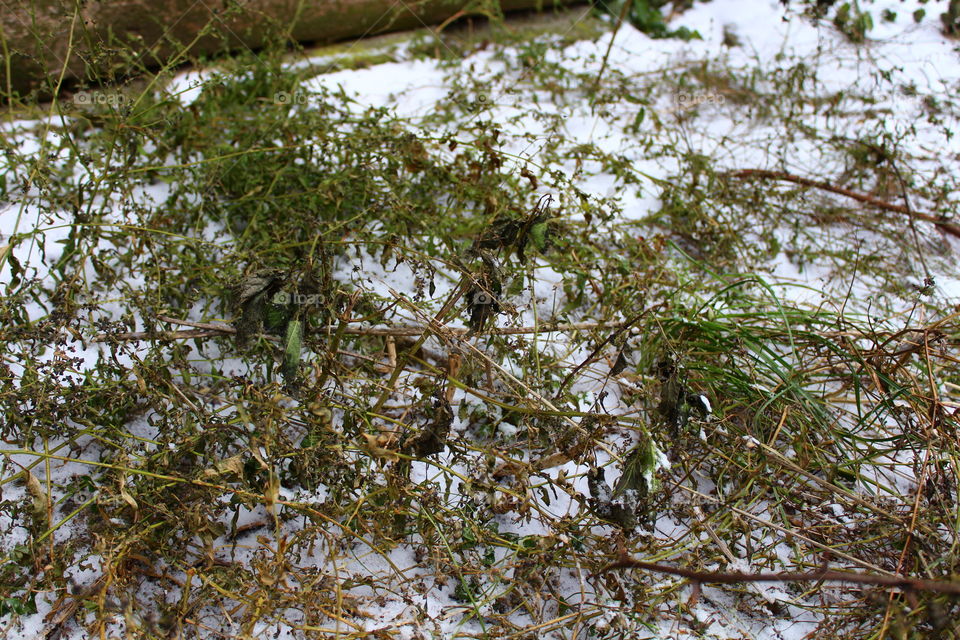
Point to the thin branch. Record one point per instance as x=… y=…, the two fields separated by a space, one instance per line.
x=621 y=327
x=946 y=227
x=603 y=67
x=823 y=575
x=211 y=329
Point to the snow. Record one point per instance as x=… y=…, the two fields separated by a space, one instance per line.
x=912 y=55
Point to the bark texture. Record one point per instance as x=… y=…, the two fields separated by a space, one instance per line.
x=106 y=41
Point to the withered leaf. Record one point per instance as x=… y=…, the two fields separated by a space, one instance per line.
x=253 y=298
x=432 y=438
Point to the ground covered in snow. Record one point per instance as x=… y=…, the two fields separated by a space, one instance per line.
x=416 y=343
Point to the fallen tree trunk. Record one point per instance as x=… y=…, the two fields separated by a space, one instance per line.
x=46 y=42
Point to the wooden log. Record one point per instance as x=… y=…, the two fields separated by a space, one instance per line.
x=46 y=42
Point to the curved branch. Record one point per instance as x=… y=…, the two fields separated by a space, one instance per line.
x=823 y=575
x=946 y=227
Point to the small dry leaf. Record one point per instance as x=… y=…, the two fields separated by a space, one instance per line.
x=272 y=494
x=128 y=498
x=257 y=450
x=141 y=384
x=39 y=505
x=34 y=488
x=453 y=370
x=375 y=446
x=230 y=466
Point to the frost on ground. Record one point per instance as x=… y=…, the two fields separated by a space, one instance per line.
x=415 y=350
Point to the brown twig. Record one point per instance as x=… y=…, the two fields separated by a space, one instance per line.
x=210 y=329
x=946 y=227
x=65 y=609
x=168 y=335
x=824 y=575
x=620 y=328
